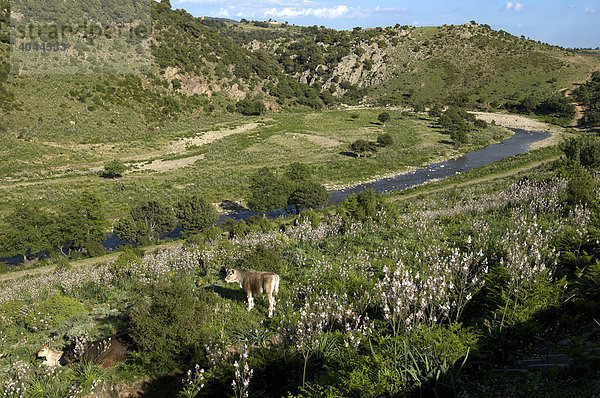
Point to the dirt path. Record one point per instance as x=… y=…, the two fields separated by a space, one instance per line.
x=77 y=264
x=569 y=92
x=159 y=165
x=479 y=180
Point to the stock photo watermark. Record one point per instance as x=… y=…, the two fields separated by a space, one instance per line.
x=76 y=37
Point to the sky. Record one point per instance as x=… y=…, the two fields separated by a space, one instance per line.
x=573 y=23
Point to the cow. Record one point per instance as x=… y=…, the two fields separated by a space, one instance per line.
x=256 y=282
x=52 y=356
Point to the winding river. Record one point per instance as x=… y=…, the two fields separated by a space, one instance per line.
x=520 y=142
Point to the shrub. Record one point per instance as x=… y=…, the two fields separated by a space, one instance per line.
x=127 y=262
x=361 y=146
x=195 y=213
x=384 y=117
x=583 y=151
x=167 y=323
x=52 y=311
x=385 y=139
x=159 y=219
x=263 y=259
x=113 y=169
x=250 y=108
x=581 y=187
x=308 y=195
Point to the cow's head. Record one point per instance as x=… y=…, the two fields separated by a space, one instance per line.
x=232 y=275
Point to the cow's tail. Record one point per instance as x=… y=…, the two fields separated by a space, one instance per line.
x=276 y=286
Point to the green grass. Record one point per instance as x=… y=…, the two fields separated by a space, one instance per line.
x=320 y=139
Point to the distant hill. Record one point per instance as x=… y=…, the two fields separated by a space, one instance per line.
x=217 y=66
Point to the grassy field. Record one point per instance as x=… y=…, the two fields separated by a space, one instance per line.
x=213 y=156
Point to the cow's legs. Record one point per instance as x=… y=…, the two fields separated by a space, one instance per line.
x=271 y=305
x=250 y=302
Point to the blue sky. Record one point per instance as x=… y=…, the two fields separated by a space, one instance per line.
x=567 y=23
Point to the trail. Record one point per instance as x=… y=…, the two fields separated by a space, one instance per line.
x=80 y=263
x=477 y=180
x=569 y=92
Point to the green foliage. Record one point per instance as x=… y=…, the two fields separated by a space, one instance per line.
x=167 y=324
x=363 y=146
x=384 y=117
x=362 y=206
x=582 y=151
x=128 y=262
x=309 y=194
x=249 y=107
x=80 y=222
x=268 y=191
x=135 y=231
x=581 y=188
x=195 y=213
x=29 y=232
x=262 y=258
x=588 y=95
x=298 y=172
x=158 y=218
x=52 y=311
x=385 y=139
x=113 y=169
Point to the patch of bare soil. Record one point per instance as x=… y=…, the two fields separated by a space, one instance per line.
x=319 y=140
x=207 y=137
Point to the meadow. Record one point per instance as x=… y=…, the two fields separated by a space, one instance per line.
x=442 y=290
x=213 y=155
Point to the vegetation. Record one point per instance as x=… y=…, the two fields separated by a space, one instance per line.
x=113 y=169
x=588 y=95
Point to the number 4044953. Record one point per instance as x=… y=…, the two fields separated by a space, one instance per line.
x=43 y=46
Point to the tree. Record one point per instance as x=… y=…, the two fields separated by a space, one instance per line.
x=195 y=213
x=29 y=232
x=298 y=172
x=385 y=139
x=159 y=219
x=268 y=191
x=248 y=107
x=581 y=187
x=81 y=221
x=128 y=229
x=361 y=146
x=309 y=194
x=384 y=117
x=113 y=169
x=583 y=151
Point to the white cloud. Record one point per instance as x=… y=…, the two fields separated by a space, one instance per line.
x=224 y=13
x=590 y=10
x=297 y=12
x=513 y=6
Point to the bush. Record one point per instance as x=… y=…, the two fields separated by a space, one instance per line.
x=263 y=259
x=361 y=146
x=52 y=311
x=195 y=213
x=581 y=187
x=384 y=140
x=583 y=151
x=308 y=195
x=384 y=117
x=250 y=108
x=127 y=262
x=113 y=169
x=168 y=325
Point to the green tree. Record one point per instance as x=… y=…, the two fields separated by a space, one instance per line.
x=361 y=146
x=268 y=191
x=384 y=117
x=195 y=213
x=385 y=139
x=29 y=231
x=309 y=194
x=113 y=169
x=581 y=187
x=159 y=219
x=81 y=221
x=298 y=172
x=583 y=151
x=135 y=231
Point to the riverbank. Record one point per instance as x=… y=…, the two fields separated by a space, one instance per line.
x=524 y=123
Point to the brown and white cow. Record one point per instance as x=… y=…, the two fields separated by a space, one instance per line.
x=256 y=282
